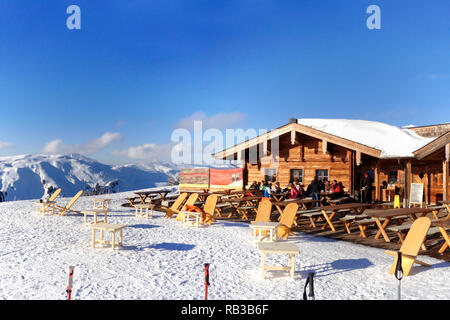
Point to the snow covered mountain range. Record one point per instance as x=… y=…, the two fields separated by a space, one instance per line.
x=33 y=176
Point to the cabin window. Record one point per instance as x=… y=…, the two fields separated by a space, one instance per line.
x=322 y=174
x=437 y=178
x=270 y=175
x=297 y=174
x=393 y=176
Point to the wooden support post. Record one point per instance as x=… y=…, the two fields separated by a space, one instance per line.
x=324 y=146
x=293 y=132
x=358 y=158
x=445 y=172
x=377 y=182
x=407 y=183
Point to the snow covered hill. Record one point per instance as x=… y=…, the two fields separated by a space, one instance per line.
x=22 y=176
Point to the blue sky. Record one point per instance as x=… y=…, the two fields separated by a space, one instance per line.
x=116 y=89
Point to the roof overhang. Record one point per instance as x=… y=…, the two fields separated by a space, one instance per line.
x=441 y=142
x=296 y=127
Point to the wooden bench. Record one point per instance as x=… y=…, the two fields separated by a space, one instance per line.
x=220 y=207
x=111 y=228
x=349 y=219
x=288 y=248
x=315 y=215
x=245 y=210
x=402 y=231
x=365 y=223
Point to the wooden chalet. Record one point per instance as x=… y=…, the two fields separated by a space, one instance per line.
x=305 y=151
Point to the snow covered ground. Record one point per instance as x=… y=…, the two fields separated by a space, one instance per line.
x=162 y=259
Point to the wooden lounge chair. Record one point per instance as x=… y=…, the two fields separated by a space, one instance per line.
x=209 y=209
x=44 y=206
x=411 y=246
x=263 y=214
x=189 y=202
x=201 y=216
x=287 y=220
x=63 y=210
x=175 y=206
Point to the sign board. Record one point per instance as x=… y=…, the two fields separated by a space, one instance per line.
x=226 y=178
x=416 y=194
x=194 y=178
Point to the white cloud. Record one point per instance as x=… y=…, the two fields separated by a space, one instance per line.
x=4 y=144
x=58 y=147
x=216 y=121
x=147 y=151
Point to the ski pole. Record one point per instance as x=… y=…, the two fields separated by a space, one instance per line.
x=70 y=284
x=206 y=265
x=399 y=273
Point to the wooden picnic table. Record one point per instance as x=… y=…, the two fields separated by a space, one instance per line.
x=328 y=212
x=280 y=196
x=143 y=195
x=446 y=203
x=237 y=202
x=228 y=192
x=389 y=214
x=443 y=225
x=131 y=200
x=302 y=202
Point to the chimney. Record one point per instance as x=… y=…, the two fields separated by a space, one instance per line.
x=293 y=120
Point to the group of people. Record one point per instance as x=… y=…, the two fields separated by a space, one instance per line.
x=296 y=189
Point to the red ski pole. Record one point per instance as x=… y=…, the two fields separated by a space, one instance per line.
x=206 y=265
x=70 y=284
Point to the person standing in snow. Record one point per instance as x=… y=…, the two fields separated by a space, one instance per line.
x=314 y=189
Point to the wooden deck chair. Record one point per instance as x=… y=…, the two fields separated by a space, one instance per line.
x=263 y=214
x=175 y=206
x=287 y=220
x=189 y=202
x=209 y=209
x=63 y=210
x=411 y=246
x=44 y=207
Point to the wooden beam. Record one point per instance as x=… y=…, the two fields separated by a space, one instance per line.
x=293 y=133
x=324 y=146
x=407 y=183
x=445 y=172
x=377 y=181
x=358 y=158
x=447 y=152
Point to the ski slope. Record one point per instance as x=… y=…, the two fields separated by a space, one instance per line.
x=163 y=259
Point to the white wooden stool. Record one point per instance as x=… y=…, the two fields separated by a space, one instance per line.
x=141 y=206
x=112 y=228
x=258 y=227
x=101 y=203
x=95 y=213
x=192 y=218
x=288 y=248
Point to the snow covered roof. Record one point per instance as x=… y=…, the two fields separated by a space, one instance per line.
x=392 y=141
